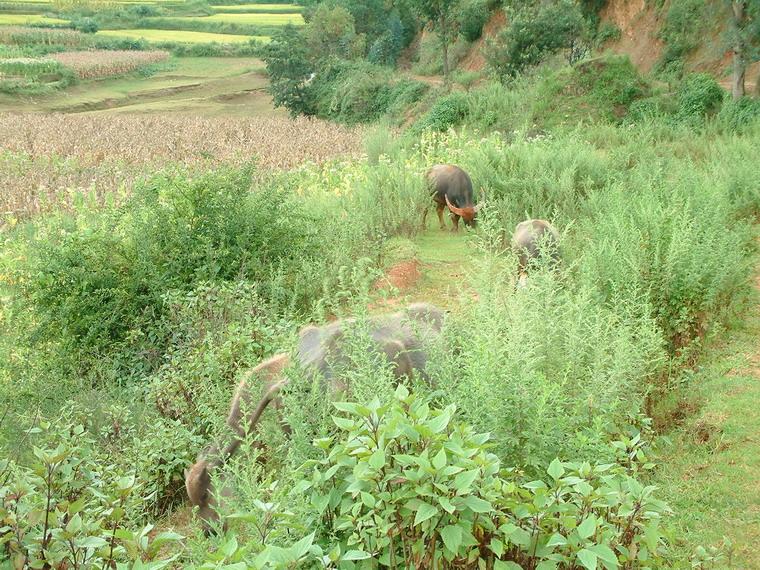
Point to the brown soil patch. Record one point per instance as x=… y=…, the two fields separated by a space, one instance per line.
x=402 y=275
x=475 y=60
x=639 y=22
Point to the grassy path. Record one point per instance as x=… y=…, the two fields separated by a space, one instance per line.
x=711 y=475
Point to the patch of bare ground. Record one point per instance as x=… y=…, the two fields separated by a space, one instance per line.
x=401 y=276
x=475 y=59
x=639 y=22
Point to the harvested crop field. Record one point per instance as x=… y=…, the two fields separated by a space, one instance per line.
x=247 y=18
x=46 y=160
x=102 y=63
x=180 y=36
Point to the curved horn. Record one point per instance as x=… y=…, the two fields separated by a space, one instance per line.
x=452 y=208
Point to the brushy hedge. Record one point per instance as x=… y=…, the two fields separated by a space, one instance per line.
x=186 y=286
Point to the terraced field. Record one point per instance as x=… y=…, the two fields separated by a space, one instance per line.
x=248 y=18
x=21 y=19
x=259 y=8
x=181 y=36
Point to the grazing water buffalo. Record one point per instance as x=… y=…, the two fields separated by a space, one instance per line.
x=451 y=186
x=531 y=240
x=399 y=337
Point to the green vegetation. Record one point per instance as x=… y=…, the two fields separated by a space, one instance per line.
x=148 y=264
x=115 y=298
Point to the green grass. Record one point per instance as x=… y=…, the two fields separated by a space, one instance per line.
x=261 y=19
x=259 y=8
x=20 y=19
x=203 y=86
x=181 y=36
x=711 y=475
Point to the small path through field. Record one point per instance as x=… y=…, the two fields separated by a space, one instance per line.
x=443 y=260
x=711 y=476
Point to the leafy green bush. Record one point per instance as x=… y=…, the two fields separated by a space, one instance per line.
x=447 y=112
x=358 y=92
x=69 y=508
x=406 y=485
x=532 y=33
x=85 y=25
x=699 y=95
x=737 y=116
x=99 y=284
x=472 y=16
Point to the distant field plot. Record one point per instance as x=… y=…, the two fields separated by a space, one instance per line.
x=47 y=159
x=264 y=19
x=14 y=19
x=101 y=63
x=20 y=35
x=259 y=8
x=180 y=36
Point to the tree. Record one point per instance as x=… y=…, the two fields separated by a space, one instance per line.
x=440 y=14
x=289 y=67
x=331 y=33
x=743 y=33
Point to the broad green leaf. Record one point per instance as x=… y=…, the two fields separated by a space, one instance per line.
x=343 y=423
x=439 y=423
x=300 y=548
x=424 y=512
x=463 y=481
x=446 y=504
x=605 y=554
x=439 y=461
x=355 y=555
x=497 y=547
x=555 y=469
x=377 y=459
x=452 y=537
x=477 y=504
x=557 y=540
x=587 y=558
x=587 y=527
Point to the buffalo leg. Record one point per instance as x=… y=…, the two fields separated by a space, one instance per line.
x=424 y=217
x=455 y=220
x=439 y=210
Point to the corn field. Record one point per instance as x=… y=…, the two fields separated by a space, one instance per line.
x=93 y=64
x=27 y=67
x=47 y=161
x=22 y=35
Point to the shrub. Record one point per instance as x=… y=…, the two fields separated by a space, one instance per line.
x=85 y=25
x=737 y=116
x=448 y=111
x=405 y=485
x=534 y=32
x=70 y=508
x=607 y=32
x=699 y=95
x=102 y=283
x=472 y=16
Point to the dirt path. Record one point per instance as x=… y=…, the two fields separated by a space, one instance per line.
x=711 y=475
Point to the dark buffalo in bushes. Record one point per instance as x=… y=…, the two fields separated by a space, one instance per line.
x=533 y=240
x=321 y=350
x=451 y=186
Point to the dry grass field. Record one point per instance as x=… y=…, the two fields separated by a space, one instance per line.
x=101 y=63
x=48 y=160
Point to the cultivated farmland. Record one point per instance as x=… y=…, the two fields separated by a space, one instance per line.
x=101 y=63
x=181 y=36
x=248 y=18
x=47 y=159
